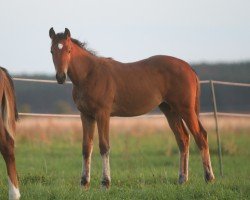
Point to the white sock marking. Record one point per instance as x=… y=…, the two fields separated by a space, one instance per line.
x=14 y=193
x=86 y=167
x=106 y=167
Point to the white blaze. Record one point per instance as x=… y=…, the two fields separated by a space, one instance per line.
x=14 y=193
x=60 y=46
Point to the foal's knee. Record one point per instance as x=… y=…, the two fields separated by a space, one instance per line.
x=104 y=148
x=86 y=150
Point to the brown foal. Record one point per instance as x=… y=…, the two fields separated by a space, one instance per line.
x=8 y=119
x=103 y=87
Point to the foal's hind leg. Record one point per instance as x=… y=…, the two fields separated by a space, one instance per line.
x=88 y=125
x=200 y=136
x=7 y=150
x=182 y=138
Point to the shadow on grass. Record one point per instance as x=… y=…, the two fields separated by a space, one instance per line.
x=29 y=178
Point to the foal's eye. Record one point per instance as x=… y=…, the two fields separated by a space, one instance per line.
x=69 y=51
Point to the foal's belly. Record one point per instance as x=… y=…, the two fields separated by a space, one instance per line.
x=136 y=104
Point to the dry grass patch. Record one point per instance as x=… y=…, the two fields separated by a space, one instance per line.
x=43 y=129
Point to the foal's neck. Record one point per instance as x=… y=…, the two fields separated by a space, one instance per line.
x=81 y=64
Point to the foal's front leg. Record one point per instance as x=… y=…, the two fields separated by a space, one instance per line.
x=103 y=132
x=88 y=125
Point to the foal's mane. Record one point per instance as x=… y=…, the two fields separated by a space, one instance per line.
x=83 y=45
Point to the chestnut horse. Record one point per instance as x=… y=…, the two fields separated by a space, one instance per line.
x=103 y=87
x=7 y=129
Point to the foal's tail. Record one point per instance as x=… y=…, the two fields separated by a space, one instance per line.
x=197 y=106
x=197 y=98
x=8 y=102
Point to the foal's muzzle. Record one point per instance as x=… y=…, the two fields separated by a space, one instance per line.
x=61 y=78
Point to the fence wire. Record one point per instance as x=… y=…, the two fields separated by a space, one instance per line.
x=143 y=116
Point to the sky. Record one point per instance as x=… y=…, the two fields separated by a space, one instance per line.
x=194 y=30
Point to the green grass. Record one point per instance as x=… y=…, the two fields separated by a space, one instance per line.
x=142 y=167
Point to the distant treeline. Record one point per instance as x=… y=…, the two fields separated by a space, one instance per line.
x=54 y=98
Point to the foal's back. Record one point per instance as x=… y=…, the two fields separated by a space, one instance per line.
x=156 y=71
x=150 y=82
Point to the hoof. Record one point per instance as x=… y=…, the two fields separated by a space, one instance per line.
x=84 y=183
x=182 y=179
x=105 y=184
x=14 y=197
x=209 y=177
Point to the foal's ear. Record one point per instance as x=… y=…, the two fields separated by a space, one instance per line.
x=52 y=33
x=67 y=32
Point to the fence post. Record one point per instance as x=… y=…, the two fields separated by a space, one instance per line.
x=216 y=127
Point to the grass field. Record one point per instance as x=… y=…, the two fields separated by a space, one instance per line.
x=144 y=162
